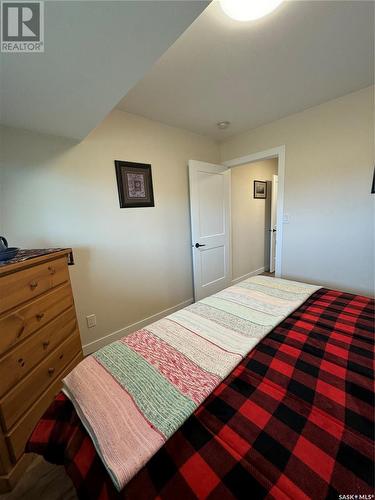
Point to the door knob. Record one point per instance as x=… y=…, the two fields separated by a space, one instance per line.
x=197 y=245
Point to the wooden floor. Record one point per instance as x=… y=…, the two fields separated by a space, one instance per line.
x=267 y=273
x=43 y=481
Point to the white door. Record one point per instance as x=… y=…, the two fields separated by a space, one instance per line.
x=210 y=227
x=273 y=225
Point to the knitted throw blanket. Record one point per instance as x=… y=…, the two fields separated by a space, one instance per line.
x=133 y=394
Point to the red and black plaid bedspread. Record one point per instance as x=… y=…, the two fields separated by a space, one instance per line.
x=294 y=420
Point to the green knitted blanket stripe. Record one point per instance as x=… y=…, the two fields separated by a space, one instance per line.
x=159 y=401
x=273 y=291
x=244 y=312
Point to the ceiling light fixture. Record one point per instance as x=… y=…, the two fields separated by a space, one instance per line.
x=248 y=10
x=223 y=125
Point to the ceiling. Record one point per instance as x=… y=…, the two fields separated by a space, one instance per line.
x=95 y=51
x=302 y=54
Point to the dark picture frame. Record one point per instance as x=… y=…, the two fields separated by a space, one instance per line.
x=260 y=190
x=134 y=184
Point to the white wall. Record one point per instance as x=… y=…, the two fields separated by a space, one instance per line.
x=130 y=263
x=329 y=165
x=250 y=218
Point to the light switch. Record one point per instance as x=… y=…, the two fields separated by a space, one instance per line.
x=286 y=219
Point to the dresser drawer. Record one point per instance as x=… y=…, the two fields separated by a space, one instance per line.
x=19 y=400
x=19 y=324
x=23 y=358
x=17 y=288
x=17 y=438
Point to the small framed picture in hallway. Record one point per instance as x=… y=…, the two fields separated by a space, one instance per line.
x=260 y=189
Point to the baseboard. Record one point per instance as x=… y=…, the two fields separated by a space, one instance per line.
x=97 y=344
x=248 y=275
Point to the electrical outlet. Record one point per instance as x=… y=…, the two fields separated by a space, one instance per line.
x=91 y=320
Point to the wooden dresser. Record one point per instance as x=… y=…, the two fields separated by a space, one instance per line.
x=39 y=345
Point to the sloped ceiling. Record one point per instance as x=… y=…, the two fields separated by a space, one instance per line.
x=252 y=73
x=95 y=51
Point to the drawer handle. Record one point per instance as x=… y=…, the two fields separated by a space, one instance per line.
x=33 y=285
x=51 y=269
x=51 y=371
x=40 y=316
x=45 y=344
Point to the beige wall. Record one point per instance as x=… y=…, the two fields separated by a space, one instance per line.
x=250 y=218
x=329 y=166
x=130 y=263
x=134 y=263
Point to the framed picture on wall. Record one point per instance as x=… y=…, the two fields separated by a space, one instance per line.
x=134 y=183
x=260 y=189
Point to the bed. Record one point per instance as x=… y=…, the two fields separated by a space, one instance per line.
x=293 y=419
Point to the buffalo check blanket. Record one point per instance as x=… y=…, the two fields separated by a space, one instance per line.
x=294 y=420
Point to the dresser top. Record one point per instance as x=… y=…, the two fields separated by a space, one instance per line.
x=32 y=257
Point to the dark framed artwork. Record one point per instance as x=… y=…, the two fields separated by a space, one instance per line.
x=134 y=183
x=260 y=189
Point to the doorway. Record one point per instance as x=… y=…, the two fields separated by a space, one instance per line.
x=253 y=218
x=277 y=153
x=210 y=211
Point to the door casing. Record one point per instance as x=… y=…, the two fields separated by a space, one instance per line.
x=278 y=153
